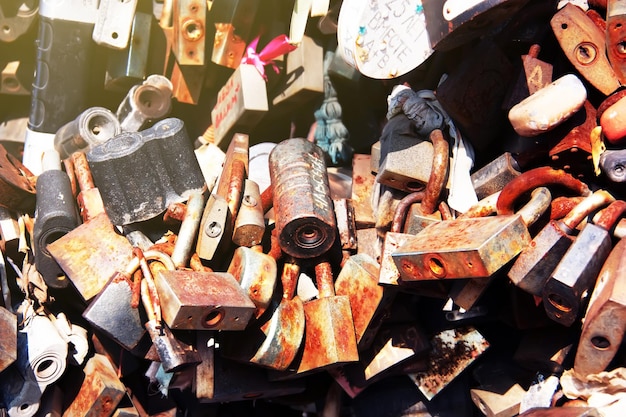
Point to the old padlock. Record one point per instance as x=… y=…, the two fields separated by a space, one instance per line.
x=189 y=32
x=492 y=177
x=613 y=164
x=173 y=353
x=92 y=127
x=603 y=327
x=100 y=391
x=566 y=292
x=346 y=226
x=90 y=254
x=584 y=44
x=250 y=222
x=358 y=279
x=425 y=213
x=615 y=37
x=151 y=100
x=140 y=174
x=257 y=274
x=220 y=212
x=233 y=22
x=89 y=200
x=536 y=74
x=275 y=343
x=534 y=265
x=330 y=338
x=56 y=215
x=8 y=341
x=466 y=247
x=303 y=209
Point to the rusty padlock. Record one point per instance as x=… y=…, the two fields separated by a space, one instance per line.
x=90 y=254
x=220 y=212
x=100 y=391
x=534 y=265
x=358 y=279
x=89 y=200
x=467 y=247
x=492 y=177
x=257 y=274
x=250 y=222
x=566 y=293
x=422 y=214
x=603 y=327
x=536 y=74
x=56 y=215
x=305 y=220
x=274 y=343
x=330 y=338
x=615 y=37
x=584 y=44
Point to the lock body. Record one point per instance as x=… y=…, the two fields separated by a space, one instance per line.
x=8 y=341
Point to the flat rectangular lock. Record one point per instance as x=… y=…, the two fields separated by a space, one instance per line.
x=194 y=300
x=462 y=248
x=189 y=34
x=114 y=22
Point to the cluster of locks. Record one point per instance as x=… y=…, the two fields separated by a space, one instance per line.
x=418 y=212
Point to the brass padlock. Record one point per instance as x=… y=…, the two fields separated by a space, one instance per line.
x=567 y=290
x=603 y=328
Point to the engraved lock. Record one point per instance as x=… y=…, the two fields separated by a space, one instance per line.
x=603 y=327
x=566 y=292
x=305 y=220
x=534 y=265
x=140 y=174
x=92 y=127
x=56 y=215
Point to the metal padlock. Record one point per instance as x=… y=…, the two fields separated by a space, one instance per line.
x=613 y=164
x=566 y=292
x=362 y=186
x=275 y=343
x=494 y=176
x=18 y=396
x=233 y=21
x=257 y=274
x=603 y=327
x=189 y=33
x=584 y=44
x=534 y=265
x=92 y=127
x=17 y=184
x=465 y=247
x=250 y=222
x=8 y=341
x=56 y=215
x=536 y=74
x=140 y=174
x=151 y=100
x=346 y=226
x=615 y=36
x=330 y=339
x=425 y=213
x=220 y=212
x=90 y=254
x=129 y=66
x=305 y=220
x=100 y=391
x=89 y=200
x=358 y=279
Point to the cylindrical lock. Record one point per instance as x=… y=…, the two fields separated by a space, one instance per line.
x=150 y=100
x=55 y=215
x=305 y=219
x=613 y=164
x=93 y=126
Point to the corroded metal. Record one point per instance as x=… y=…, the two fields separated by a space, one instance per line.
x=8 y=338
x=250 y=222
x=605 y=320
x=494 y=176
x=566 y=293
x=186 y=238
x=89 y=200
x=616 y=37
x=305 y=220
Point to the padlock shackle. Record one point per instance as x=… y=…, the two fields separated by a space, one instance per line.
x=539 y=202
x=587 y=206
x=399 y=215
x=289 y=278
x=609 y=216
x=537 y=177
x=483 y=208
x=82 y=171
x=438 y=173
x=324 y=279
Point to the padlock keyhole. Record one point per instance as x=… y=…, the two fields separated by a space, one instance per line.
x=557 y=301
x=600 y=342
x=214 y=317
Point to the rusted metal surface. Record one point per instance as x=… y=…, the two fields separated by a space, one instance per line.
x=175 y=213
x=534 y=265
x=303 y=208
x=389 y=274
x=188 y=230
x=573 y=151
x=100 y=392
x=451 y=352
x=362 y=186
x=537 y=177
x=329 y=338
x=538 y=73
x=616 y=37
x=17 y=183
x=358 y=279
x=89 y=200
x=346 y=225
x=8 y=338
x=189 y=32
x=256 y=272
x=565 y=294
x=605 y=319
x=584 y=45
x=250 y=222
x=400 y=213
x=495 y=175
